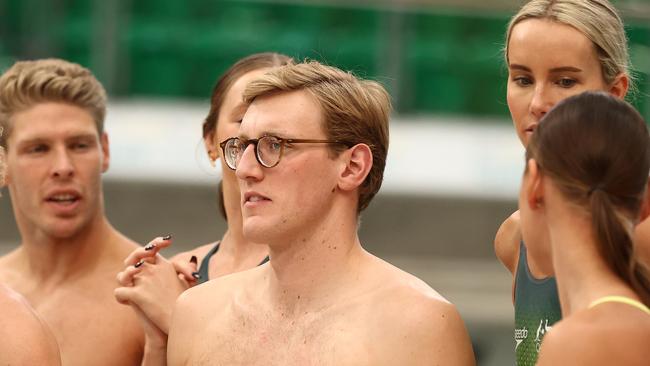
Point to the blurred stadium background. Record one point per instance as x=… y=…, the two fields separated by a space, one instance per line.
x=454 y=163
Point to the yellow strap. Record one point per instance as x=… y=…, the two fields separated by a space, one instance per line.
x=621 y=299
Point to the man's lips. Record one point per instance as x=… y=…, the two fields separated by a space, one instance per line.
x=254 y=197
x=63 y=197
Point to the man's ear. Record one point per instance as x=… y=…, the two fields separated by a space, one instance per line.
x=645 y=207
x=358 y=161
x=533 y=185
x=103 y=141
x=620 y=86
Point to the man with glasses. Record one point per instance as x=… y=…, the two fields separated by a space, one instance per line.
x=310 y=156
x=52 y=112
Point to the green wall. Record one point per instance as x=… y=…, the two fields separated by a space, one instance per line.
x=445 y=62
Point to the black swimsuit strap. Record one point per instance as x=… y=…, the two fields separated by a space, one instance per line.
x=205 y=264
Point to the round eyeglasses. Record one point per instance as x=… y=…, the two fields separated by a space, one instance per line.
x=268 y=149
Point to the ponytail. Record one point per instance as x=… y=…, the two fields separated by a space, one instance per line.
x=614 y=236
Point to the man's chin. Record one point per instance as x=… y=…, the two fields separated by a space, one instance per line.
x=64 y=229
x=258 y=230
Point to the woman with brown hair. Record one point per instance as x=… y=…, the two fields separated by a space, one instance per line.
x=150 y=283
x=585 y=186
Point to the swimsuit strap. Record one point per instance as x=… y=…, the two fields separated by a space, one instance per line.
x=621 y=299
x=266 y=259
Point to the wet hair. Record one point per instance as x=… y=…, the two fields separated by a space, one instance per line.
x=598 y=20
x=596 y=149
x=28 y=83
x=222 y=87
x=354 y=111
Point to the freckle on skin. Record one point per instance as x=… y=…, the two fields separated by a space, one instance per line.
x=298 y=296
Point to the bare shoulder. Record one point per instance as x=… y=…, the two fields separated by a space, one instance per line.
x=424 y=328
x=8 y=268
x=26 y=339
x=506 y=242
x=124 y=243
x=200 y=301
x=200 y=252
x=598 y=338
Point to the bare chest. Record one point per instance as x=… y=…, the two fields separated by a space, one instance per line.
x=260 y=339
x=91 y=328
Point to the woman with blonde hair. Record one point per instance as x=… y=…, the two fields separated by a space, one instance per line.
x=585 y=184
x=554 y=49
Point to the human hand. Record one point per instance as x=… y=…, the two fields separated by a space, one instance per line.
x=152 y=283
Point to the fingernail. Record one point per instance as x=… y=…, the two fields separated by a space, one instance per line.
x=150 y=246
x=139 y=264
x=167 y=237
x=193 y=259
x=196 y=275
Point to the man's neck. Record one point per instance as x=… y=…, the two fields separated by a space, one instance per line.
x=54 y=260
x=308 y=270
x=235 y=246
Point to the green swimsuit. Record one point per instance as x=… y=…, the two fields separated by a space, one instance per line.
x=537 y=308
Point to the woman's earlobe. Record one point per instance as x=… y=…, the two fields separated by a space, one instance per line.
x=620 y=86
x=534 y=188
x=213 y=156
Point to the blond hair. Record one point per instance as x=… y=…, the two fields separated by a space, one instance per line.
x=598 y=20
x=354 y=111
x=28 y=83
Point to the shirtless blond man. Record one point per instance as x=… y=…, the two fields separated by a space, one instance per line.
x=26 y=340
x=309 y=157
x=52 y=112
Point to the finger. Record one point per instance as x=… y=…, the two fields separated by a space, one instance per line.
x=149 y=251
x=125 y=278
x=126 y=295
x=189 y=270
x=159 y=242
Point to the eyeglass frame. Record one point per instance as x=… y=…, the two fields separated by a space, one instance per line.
x=282 y=142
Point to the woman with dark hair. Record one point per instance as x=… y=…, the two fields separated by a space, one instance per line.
x=585 y=188
x=150 y=283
